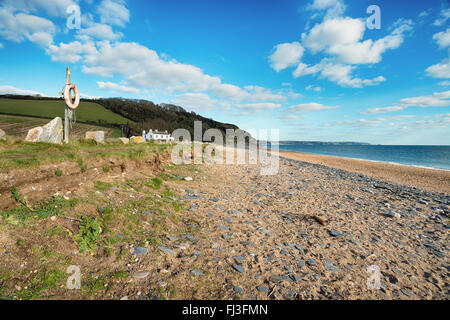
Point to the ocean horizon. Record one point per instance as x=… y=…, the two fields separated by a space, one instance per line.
x=425 y=156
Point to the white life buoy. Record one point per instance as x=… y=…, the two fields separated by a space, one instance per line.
x=68 y=100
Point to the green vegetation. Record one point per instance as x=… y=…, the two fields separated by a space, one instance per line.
x=20 y=154
x=89 y=236
x=86 y=112
x=42 y=281
x=58 y=173
x=44 y=209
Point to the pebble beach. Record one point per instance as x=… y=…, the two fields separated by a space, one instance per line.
x=314 y=230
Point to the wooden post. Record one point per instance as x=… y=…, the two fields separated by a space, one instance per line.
x=67 y=111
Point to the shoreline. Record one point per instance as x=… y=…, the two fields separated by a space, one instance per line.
x=432 y=179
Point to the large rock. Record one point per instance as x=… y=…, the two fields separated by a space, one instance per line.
x=2 y=134
x=124 y=140
x=52 y=132
x=137 y=139
x=98 y=136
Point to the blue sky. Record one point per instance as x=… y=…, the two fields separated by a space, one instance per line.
x=312 y=69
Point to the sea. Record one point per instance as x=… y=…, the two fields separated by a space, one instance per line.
x=434 y=157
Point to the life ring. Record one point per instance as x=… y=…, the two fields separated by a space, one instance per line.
x=68 y=100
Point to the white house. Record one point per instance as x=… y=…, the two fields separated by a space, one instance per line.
x=157 y=136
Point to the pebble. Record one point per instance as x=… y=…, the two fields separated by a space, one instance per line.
x=167 y=251
x=140 y=250
x=238 y=268
x=262 y=289
x=196 y=272
x=141 y=275
x=311 y=262
x=238 y=289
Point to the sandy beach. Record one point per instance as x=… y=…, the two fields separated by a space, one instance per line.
x=422 y=178
x=312 y=231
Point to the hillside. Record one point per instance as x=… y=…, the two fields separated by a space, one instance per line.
x=148 y=115
x=87 y=112
x=132 y=116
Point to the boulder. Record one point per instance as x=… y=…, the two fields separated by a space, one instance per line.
x=137 y=139
x=2 y=134
x=124 y=140
x=52 y=132
x=98 y=136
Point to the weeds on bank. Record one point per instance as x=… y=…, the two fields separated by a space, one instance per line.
x=89 y=235
x=52 y=207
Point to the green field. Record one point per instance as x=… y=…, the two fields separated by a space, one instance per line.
x=87 y=111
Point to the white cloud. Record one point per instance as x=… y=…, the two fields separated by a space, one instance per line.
x=443 y=17
x=113 y=12
x=341 y=38
x=373 y=122
x=259 y=106
x=198 y=101
x=116 y=87
x=442 y=38
x=13 y=90
x=383 y=110
x=333 y=8
x=338 y=73
x=87 y=96
x=313 y=88
x=258 y=93
x=309 y=107
x=18 y=27
x=224 y=90
x=440 y=70
x=332 y=32
x=286 y=55
x=100 y=31
x=1 y=45
x=51 y=7
x=437 y=99
x=70 y=52
x=444 y=83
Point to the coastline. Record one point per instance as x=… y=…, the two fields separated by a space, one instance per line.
x=431 y=179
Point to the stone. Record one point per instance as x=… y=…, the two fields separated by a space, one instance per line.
x=238 y=258
x=238 y=289
x=137 y=139
x=140 y=250
x=334 y=233
x=167 y=251
x=289 y=295
x=2 y=134
x=196 y=272
x=311 y=262
x=141 y=275
x=161 y=283
x=188 y=178
x=238 y=268
x=52 y=132
x=124 y=140
x=98 y=136
x=262 y=289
